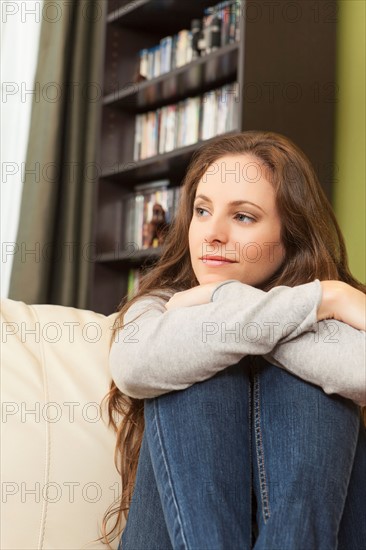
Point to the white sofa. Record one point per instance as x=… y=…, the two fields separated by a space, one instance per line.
x=57 y=463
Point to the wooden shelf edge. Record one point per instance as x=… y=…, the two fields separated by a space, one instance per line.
x=131 y=166
x=124 y=10
x=135 y=256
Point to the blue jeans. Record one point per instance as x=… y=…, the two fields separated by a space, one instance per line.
x=253 y=442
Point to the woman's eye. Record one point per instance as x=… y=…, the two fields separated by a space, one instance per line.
x=248 y=219
x=198 y=210
x=244 y=217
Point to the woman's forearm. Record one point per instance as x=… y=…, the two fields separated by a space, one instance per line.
x=163 y=351
x=339 y=301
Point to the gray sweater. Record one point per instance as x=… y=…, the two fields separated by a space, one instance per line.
x=162 y=351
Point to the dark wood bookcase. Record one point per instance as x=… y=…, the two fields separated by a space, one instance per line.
x=284 y=64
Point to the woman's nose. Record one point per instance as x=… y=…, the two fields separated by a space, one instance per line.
x=216 y=231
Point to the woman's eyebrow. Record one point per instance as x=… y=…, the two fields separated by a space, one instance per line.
x=232 y=203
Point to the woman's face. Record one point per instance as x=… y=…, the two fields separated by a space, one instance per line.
x=245 y=234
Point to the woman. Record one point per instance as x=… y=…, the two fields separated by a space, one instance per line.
x=268 y=422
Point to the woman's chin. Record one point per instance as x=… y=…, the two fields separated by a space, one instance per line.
x=213 y=278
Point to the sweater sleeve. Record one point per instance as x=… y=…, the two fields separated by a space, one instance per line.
x=333 y=357
x=158 y=351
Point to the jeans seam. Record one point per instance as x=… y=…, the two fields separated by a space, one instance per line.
x=250 y=465
x=259 y=448
x=168 y=474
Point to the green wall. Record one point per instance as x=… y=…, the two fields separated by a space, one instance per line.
x=349 y=195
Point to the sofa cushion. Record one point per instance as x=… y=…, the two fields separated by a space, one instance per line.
x=57 y=464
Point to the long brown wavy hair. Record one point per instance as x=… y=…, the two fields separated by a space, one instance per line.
x=314 y=249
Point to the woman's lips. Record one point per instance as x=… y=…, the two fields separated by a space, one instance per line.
x=215 y=262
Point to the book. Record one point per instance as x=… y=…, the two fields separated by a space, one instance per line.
x=220 y=25
x=186 y=122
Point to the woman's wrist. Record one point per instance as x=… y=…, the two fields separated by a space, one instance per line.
x=332 y=296
x=197 y=295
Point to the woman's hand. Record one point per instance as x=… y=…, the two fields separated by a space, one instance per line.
x=343 y=302
x=197 y=295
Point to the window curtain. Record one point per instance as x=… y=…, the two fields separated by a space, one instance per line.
x=19 y=53
x=53 y=251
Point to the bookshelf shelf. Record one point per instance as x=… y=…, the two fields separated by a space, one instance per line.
x=143 y=14
x=282 y=79
x=131 y=257
x=126 y=11
x=198 y=76
x=167 y=164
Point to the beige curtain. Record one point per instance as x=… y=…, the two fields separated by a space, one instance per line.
x=54 y=250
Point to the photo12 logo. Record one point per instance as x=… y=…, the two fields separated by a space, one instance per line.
x=39 y=11
x=53 y=491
